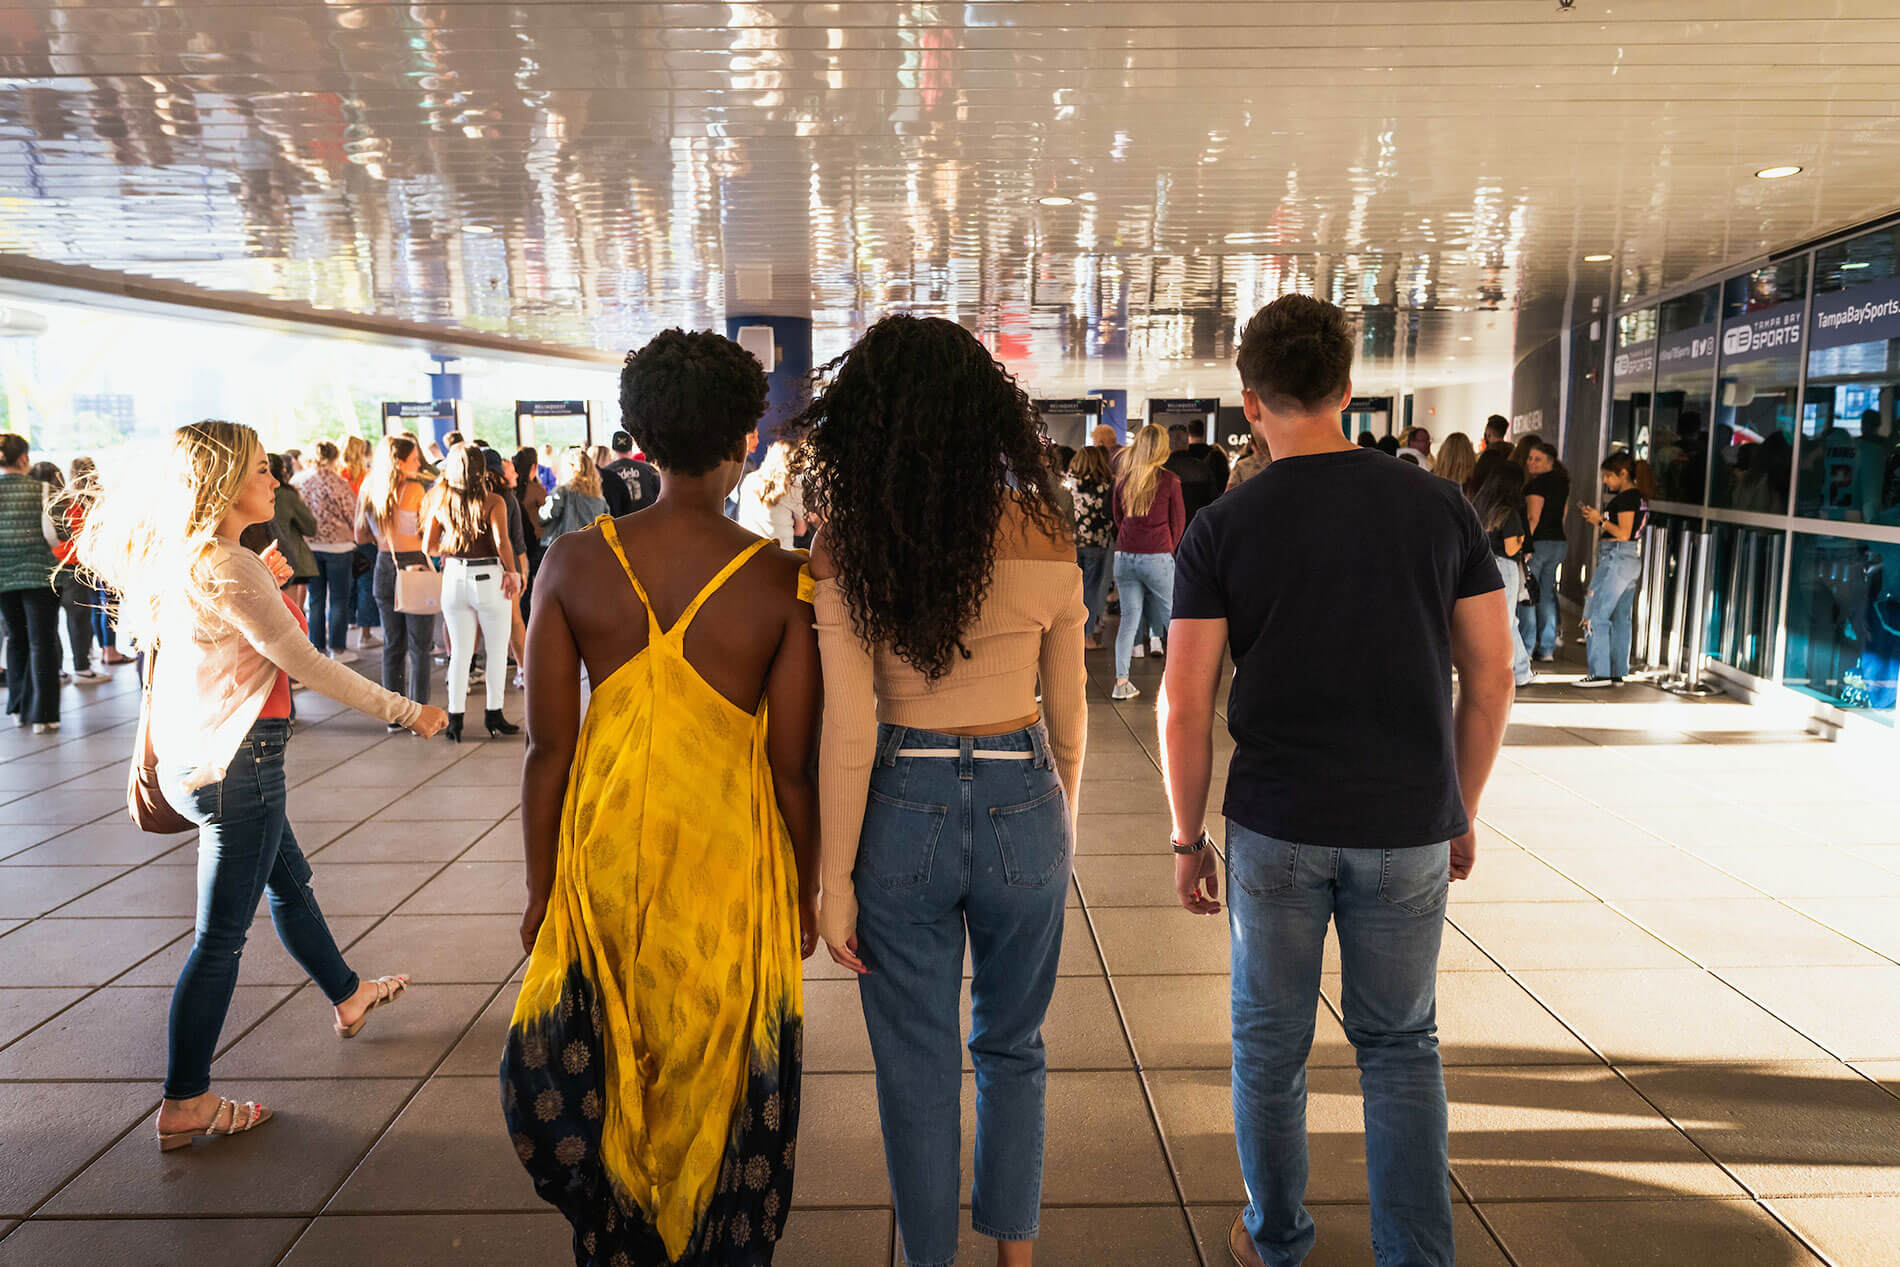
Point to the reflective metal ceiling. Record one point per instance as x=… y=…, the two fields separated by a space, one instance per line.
x=588 y=173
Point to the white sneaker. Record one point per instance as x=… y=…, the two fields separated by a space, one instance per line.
x=1124 y=690
x=45 y=727
x=368 y=639
x=1139 y=653
x=521 y=679
x=1154 y=646
x=345 y=656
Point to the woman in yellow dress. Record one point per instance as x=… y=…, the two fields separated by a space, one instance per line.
x=652 y=1072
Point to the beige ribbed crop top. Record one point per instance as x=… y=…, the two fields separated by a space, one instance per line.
x=1029 y=629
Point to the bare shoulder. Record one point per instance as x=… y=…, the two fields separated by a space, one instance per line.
x=823 y=566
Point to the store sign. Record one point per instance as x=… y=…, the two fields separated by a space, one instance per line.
x=550 y=408
x=1637 y=362
x=1690 y=351
x=1202 y=406
x=418 y=409
x=1070 y=405
x=1764 y=333
x=1862 y=314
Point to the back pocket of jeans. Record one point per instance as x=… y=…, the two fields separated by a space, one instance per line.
x=1261 y=865
x=899 y=841
x=1033 y=838
x=1415 y=880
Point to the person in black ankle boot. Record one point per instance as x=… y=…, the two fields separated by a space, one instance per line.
x=465 y=523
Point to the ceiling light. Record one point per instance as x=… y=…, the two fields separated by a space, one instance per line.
x=1778 y=173
x=1599 y=258
x=1857 y=264
x=477 y=228
x=1054 y=200
x=1464 y=338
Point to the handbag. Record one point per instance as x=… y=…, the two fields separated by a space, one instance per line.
x=144 y=801
x=418 y=591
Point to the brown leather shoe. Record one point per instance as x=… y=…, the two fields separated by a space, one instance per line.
x=1240 y=1244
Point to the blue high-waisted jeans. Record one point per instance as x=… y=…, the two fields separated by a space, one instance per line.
x=245 y=849
x=1607 y=608
x=1389 y=908
x=976 y=842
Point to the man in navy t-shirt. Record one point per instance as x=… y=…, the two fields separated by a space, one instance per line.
x=1348 y=587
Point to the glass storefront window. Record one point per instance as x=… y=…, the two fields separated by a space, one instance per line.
x=1632 y=375
x=1850 y=469
x=1843 y=633
x=1744 y=593
x=1760 y=368
x=1685 y=382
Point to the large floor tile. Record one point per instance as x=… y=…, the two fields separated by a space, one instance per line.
x=1161 y=940
x=1717 y=824
x=105 y=844
x=1646 y=1015
x=471 y=949
x=1123 y=833
x=290 y=1165
x=1811 y=1129
x=62 y=805
x=1486 y=1018
x=407 y=1039
x=471 y=888
x=1658 y=1233
x=1196 y=1108
x=1736 y=934
x=1506 y=873
x=1643 y=871
x=1522 y=935
x=449 y=1150
x=840 y=1147
x=121 y=1032
x=1154 y=1236
x=1798 y=871
x=54 y=1129
x=461 y=1239
x=149 y=1242
x=1343 y=1236
x=835 y=1238
x=1100 y=1142
x=1853 y=1012
x=1885 y=1072
x=1127 y=879
x=81 y=951
x=1186 y=1022
x=20 y=837
x=1851 y=1231
x=1556 y=1133
x=479 y=804
x=29 y=891
x=265 y=961
x=1580 y=829
x=379 y=841
x=1872 y=921
x=22 y=1009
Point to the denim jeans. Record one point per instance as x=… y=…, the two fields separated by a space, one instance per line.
x=1096 y=561
x=332 y=592
x=404 y=637
x=1537 y=624
x=956 y=846
x=245 y=849
x=1388 y=906
x=33 y=653
x=77 y=598
x=367 y=615
x=1146 y=584
x=1608 y=606
x=1512 y=574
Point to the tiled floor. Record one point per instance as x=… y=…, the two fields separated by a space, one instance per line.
x=1670 y=1007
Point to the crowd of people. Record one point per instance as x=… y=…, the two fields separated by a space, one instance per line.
x=739 y=749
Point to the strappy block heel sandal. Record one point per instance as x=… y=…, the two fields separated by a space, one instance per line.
x=388 y=990
x=255 y=1115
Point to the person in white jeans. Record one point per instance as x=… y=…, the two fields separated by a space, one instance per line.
x=465 y=523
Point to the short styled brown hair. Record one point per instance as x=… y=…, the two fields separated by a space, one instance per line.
x=1296 y=351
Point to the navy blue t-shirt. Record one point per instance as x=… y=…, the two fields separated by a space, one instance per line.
x=1337 y=574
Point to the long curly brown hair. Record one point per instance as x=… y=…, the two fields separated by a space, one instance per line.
x=918 y=440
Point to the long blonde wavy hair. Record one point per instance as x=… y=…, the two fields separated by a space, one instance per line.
x=775 y=473
x=146 y=532
x=460 y=499
x=382 y=488
x=579 y=473
x=355 y=458
x=1139 y=468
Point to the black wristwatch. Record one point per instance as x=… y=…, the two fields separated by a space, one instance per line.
x=1204 y=841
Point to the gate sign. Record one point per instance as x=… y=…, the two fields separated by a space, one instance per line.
x=1069 y=405
x=1201 y=406
x=550 y=408
x=418 y=409
x=1690 y=351
x=1860 y=314
x=1764 y=333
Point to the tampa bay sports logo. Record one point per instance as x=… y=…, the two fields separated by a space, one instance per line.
x=1736 y=340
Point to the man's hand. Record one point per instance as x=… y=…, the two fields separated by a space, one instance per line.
x=1193 y=873
x=1464 y=854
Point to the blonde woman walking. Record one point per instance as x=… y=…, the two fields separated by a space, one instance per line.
x=1149 y=520
x=225 y=644
x=576 y=501
x=768 y=500
x=1457 y=459
x=465 y=524
x=389 y=516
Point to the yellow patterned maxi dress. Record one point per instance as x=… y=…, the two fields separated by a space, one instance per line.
x=651 y=1077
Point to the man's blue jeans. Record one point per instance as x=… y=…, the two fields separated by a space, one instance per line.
x=1389 y=908
x=1537 y=624
x=1608 y=607
x=245 y=849
x=1096 y=563
x=974 y=844
x=332 y=593
x=1146 y=585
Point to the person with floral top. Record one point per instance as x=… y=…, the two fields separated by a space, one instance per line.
x=1092 y=481
x=332 y=588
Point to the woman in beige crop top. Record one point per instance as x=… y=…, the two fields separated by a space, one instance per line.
x=947 y=593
